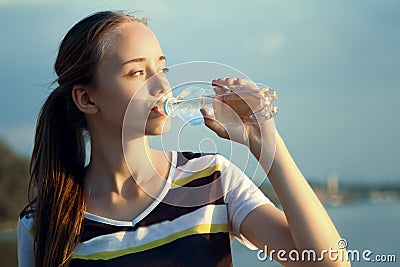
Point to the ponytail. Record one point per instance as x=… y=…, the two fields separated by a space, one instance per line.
x=58 y=158
x=57 y=169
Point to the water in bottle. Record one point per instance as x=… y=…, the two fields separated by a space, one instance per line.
x=232 y=105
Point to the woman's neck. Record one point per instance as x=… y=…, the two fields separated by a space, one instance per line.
x=113 y=165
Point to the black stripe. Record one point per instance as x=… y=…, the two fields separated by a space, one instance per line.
x=202 y=190
x=202 y=181
x=92 y=229
x=205 y=250
x=166 y=212
x=184 y=157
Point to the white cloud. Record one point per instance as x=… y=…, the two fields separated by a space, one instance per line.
x=4 y=3
x=265 y=44
x=272 y=43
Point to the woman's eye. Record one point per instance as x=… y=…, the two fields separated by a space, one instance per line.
x=136 y=73
x=164 y=70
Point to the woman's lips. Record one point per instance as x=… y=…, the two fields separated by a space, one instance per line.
x=157 y=110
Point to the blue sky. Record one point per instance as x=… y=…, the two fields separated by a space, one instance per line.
x=334 y=64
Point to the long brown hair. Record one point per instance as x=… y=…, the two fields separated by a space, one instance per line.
x=58 y=158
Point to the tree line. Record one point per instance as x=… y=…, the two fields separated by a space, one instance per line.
x=14 y=179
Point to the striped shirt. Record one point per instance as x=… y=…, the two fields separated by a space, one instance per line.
x=204 y=201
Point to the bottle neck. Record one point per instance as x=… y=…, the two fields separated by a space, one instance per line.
x=168 y=106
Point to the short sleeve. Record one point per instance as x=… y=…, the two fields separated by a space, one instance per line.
x=241 y=196
x=25 y=244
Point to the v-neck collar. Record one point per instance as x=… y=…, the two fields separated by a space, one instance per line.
x=149 y=209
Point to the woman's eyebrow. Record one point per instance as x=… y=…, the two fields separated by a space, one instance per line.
x=141 y=59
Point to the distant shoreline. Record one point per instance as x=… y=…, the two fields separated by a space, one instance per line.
x=8 y=235
x=8 y=226
x=335 y=195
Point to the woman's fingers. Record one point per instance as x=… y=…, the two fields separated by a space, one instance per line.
x=234 y=132
x=230 y=81
x=214 y=125
x=224 y=85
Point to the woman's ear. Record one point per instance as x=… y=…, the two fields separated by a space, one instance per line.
x=83 y=99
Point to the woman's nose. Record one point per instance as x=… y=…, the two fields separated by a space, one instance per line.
x=158 y=85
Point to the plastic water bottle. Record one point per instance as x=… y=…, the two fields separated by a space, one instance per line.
x=188 y=103
x=248 y=105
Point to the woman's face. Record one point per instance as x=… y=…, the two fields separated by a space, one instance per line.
x=134 y=69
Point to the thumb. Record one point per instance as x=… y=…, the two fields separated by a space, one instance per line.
x=214 y=125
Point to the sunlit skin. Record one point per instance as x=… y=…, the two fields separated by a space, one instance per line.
x=122 y=73
x=110 y=190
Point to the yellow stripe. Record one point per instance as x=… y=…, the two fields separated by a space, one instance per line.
x=203 y=173
x=32 y=231
x=198 y=229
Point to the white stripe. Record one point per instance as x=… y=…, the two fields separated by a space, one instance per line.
x=194 y=165
x=105 y=220
x=211 y=214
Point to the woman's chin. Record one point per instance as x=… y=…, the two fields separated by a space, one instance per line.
x=158 y=128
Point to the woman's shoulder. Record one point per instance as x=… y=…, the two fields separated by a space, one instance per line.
x=28 y=211
x=26 y=219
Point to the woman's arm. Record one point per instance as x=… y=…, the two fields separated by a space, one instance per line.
x=304 y=225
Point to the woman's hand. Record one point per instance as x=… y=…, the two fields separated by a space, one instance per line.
x=257 y=134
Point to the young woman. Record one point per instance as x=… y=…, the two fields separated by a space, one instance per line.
x=98 y=215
